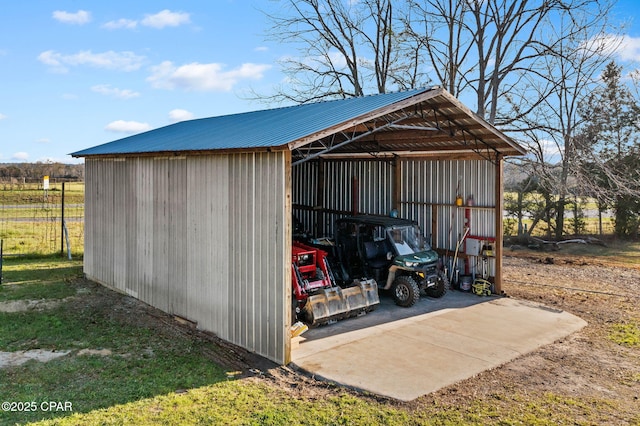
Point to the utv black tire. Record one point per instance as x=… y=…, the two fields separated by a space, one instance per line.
x=442 y=284
x=405 y=291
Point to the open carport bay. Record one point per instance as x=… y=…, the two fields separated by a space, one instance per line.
x=404 y=353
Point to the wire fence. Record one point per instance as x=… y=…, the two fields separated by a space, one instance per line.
x=39 y=221
x=35 y=220
x=587 y=225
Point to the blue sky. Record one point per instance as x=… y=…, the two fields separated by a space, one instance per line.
x=75 y=74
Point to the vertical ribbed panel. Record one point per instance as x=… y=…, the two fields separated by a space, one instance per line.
x=304 y=192
x=205 y=238
x=432 y=185
x=145 y=193
x=373 y=195
x=259 y=286
x=426 y=187
x=208 y=236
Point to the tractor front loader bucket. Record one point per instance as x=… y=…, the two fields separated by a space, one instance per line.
x=337 y=303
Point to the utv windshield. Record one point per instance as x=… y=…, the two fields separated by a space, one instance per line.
x=407 y=239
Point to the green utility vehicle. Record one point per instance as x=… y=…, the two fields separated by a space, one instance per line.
x=393 y=252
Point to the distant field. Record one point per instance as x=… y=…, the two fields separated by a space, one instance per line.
x=588 y=208
x=18 y=194
x=591 y=227
x=30 y=218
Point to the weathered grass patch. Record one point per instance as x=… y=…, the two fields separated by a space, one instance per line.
x=244 y=403
x=92 y=382
x=250 y=402
x=30 y=223
x=38 y=268
x=39 y=277
x=143 y=361
x=626 y=334
x=34 y=194
x=54 y=290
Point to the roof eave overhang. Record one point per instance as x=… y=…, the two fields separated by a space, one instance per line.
x=483 y=135
x=380 y=112
x=459 y=154
x=185 y=153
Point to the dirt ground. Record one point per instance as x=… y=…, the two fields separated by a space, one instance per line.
x=602 y=376
x=587 y=365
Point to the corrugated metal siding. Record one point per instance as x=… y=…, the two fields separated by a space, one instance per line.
x=305 y=192
x=374 y=181
x=426 y=186
x=432 y=184
x=205 y=238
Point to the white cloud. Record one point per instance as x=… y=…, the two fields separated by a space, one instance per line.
x=624 y=47
x=43 y=140
x=203 y=77
x=261 y=49
x=22 y=156
x=122 y=61
x=337 y=59
x=629 y=48
x=166 y=18
x=107 y=90
x=131 y=127
x=121 y=23
x=80 y=17
x=162 y=19
x=551 y=152
x=2 y=116
x=180 y=115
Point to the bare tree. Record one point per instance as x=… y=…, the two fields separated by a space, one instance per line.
x=486 y=47
x=345 y=49
x=436 y=33
x=547 y=104
x=527 y=63
x=479 y=48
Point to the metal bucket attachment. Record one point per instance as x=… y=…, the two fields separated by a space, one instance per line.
x=337 y=303
x=369 y=292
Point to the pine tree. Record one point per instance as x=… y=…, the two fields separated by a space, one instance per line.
x=610 y=151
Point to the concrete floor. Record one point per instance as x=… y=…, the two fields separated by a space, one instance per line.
x=404 y=353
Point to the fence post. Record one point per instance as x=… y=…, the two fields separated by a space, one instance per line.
x=62 y=224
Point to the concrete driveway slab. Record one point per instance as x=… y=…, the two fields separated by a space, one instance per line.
x=406 y=353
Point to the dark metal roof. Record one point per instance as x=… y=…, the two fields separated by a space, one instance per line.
x=418 y=121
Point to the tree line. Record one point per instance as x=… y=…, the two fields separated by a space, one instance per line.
x=34 y=172
x=542 y=71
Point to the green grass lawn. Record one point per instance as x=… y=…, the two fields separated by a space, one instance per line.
x=142 y=363
x=152 y=374
x=34 y=194
x=40 y=238
x=30 y=223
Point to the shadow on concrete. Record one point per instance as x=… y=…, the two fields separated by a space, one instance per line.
x=387 y=311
